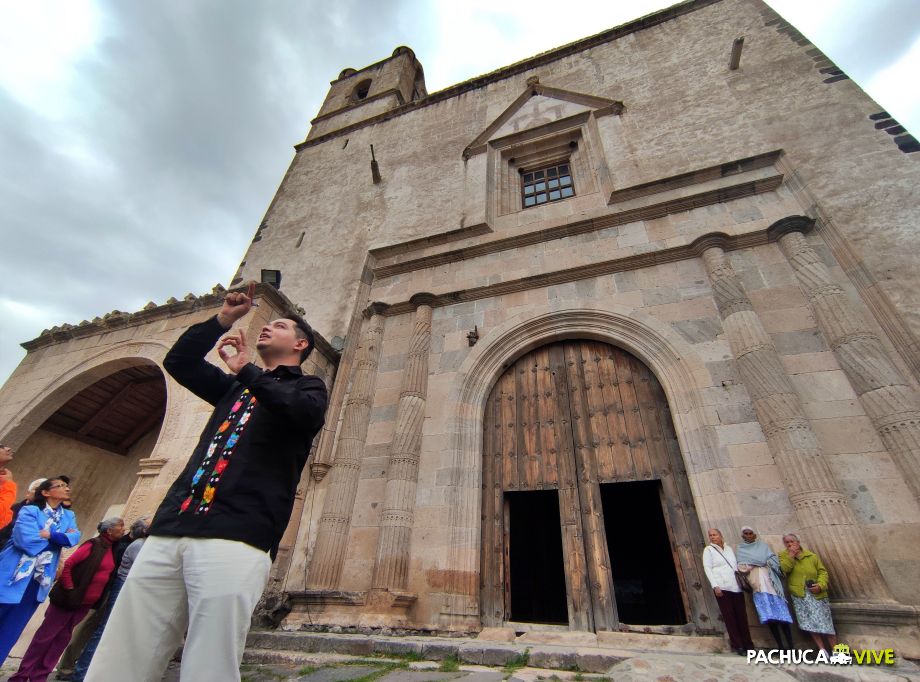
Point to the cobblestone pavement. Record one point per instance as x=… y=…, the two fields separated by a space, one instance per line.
x=659 y=667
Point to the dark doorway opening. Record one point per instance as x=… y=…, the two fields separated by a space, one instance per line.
x=535 y=566
x=642 y=562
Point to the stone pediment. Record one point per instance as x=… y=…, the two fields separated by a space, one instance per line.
x=540 y=105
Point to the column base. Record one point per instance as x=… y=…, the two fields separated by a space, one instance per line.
x=879 y=626
x=378 y=608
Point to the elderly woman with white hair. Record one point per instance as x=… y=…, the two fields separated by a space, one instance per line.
x=719 y=564
x=138 y=533
x=761 y=566
x=808 y=580
x=82 y=585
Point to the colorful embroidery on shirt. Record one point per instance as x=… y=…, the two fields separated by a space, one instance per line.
x=218 y=454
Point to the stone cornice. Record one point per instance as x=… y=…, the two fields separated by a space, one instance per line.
x=607 y=36
x=399 y=248
x=172 y=308
x=354 y=105
x=658 y=210
x=607 y=267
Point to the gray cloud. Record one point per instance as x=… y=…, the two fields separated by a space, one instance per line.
x=154 y=183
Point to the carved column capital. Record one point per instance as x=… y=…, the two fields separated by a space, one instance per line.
x=789 y=224
x=376 y=308
x=713 y=240
x=423 y=299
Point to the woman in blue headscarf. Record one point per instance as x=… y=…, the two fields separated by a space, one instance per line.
x=29 y=560
x=760 y=563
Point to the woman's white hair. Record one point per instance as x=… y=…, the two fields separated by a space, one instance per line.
x=110 y=523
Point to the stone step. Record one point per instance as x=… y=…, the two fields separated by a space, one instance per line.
x=558 y=651
x=632 y=641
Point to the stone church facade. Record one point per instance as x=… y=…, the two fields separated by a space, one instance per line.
x=578 y=311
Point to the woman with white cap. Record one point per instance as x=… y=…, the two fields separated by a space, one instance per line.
x=760 y=563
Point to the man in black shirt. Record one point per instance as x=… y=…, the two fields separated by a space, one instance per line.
x=207 y=559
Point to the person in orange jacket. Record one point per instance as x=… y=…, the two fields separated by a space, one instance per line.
x=7 y=487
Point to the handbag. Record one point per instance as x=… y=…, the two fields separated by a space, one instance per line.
x=741 y=578
x=743 y=582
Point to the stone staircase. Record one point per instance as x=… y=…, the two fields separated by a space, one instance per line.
x=501 y=655
x=579 y=651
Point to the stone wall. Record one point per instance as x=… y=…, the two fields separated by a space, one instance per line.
x=99 y=478
x=684 y=109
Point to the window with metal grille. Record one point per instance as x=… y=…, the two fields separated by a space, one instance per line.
x=552 y=183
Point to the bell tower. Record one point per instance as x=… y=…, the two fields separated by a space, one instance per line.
x=357 y=95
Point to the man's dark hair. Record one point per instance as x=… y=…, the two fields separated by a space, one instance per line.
x=303 y=331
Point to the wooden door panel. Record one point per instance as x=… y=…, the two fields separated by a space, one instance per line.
x=589 y=493
x=548 y=419
x=530 y=425
x=618 y=466
x=509 y=431
x=578 y=591
x=703 y=608
x=631 y=414
x=602 y=442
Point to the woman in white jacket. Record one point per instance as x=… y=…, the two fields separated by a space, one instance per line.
x=720 y=565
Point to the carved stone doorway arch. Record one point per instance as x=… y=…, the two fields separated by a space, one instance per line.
x=582 y=472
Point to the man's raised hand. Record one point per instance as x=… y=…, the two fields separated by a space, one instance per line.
x=236 y=305
x=235 y=362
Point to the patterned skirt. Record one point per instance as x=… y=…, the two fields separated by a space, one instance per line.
x=814 y=615
x=771 y=607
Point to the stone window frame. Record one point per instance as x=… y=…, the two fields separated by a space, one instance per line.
x=535 y=149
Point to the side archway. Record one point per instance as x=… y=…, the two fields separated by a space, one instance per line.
x=95 y=422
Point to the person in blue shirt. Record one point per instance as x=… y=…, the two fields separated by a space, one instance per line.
x=28 y=562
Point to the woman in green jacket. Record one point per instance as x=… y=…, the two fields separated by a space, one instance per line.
x=807 y=580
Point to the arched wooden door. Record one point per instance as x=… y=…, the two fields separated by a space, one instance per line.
x=587 y=513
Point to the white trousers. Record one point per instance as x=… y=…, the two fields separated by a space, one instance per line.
x=209 y=586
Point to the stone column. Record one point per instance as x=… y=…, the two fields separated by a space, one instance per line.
x=391 y=569
x=821 y=509
x=887 y=398
x=326 y=566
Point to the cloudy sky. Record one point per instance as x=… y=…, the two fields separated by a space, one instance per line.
x=141 y=142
